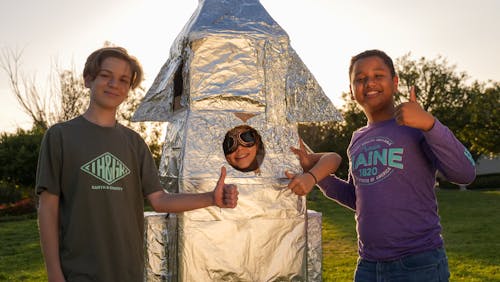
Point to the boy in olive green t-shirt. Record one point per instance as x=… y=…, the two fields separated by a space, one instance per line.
x=92 y=176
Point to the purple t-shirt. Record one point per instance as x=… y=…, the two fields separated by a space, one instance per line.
x=392 y=172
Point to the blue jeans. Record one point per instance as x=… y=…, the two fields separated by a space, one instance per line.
x=429 y=266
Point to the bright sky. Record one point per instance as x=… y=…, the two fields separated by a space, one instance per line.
x=325 y=34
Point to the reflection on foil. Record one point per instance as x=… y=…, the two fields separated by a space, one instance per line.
x=160 y=241
x=314 y=249
x=233 y=65
x=161 y=246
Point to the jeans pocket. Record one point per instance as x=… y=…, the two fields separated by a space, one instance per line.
x=443 y=270
x=427 y=266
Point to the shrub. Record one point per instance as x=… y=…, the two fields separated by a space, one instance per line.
x=9 y=192
x=19 y=156
x=22 y=207
x=488 y=181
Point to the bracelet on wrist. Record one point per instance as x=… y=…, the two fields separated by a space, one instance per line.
x=315 y=179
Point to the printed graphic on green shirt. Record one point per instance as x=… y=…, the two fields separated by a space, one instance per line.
x=106 y=168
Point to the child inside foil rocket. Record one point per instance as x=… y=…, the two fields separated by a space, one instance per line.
x=243 y=148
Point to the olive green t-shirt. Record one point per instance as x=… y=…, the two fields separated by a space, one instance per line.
x=101 y=175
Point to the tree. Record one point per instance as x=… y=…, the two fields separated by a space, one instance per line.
x=335 y=136
x=74 y=96
x=480 y=131
x=152 y=132
x=24 y=88
x=19 y=156
x=470 y=111
x=69 y=98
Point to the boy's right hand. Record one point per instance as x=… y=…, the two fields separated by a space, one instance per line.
x=412 y=114
x=306 y=159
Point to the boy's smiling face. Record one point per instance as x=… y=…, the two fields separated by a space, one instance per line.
x=111 y=85
x=243 y=158
x=373 y=87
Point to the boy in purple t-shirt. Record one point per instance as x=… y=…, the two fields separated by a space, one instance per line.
x=392 y=166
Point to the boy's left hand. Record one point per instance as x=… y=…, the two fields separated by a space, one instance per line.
x=413 y=115
x=300 y=184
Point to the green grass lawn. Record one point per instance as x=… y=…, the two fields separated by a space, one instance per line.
x=471 y=231
x=470 y=219
x=20 y=256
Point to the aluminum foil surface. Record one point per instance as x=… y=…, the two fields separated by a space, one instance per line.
x=160 y=241
x=233 y=65
x=161 y=246
x=315 y=251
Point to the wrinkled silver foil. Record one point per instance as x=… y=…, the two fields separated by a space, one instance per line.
x=161 y=246
x=160 y=242
x=314 y=248
x=232 y=64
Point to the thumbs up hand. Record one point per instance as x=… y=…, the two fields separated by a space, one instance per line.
x=225 y=195
x=413 y=115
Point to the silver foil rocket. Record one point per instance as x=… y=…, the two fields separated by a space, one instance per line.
x=232 y=64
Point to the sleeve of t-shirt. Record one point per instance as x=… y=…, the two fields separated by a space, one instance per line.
x=48 y=173
x=150 y=177
x=452 y=159
x=339 y=190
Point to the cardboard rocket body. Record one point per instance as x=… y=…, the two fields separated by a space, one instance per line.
x=232 y=64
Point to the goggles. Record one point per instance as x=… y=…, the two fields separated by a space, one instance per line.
x=244 y=137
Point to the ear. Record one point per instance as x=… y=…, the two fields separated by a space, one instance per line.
x=395 y=82
x=87 y=81
x=350 y=92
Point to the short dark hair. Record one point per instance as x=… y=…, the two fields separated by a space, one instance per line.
x=373 y=53
x=94 y=61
